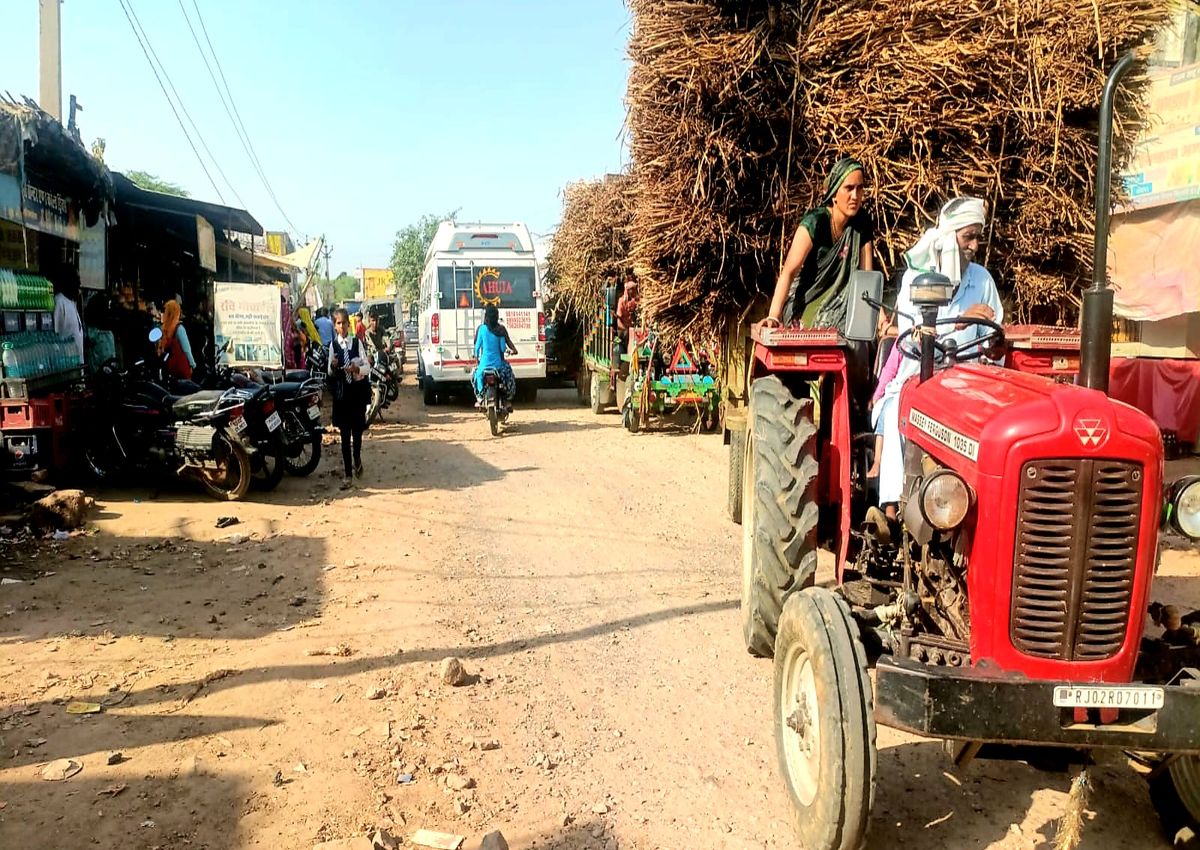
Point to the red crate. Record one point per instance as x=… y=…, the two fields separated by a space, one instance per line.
x=47 y=412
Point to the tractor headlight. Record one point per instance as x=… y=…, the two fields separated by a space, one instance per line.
x=946 y=498
x=1184 y=505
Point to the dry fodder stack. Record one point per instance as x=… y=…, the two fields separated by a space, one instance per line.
x=737 y=110
x=592 y=240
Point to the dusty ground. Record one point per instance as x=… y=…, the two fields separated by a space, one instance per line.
x=587 y=577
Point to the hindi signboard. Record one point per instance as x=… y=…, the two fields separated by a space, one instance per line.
x=247 y=327
x=1166 y=162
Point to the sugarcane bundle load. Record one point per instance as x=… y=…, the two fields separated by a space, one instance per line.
x=591 y=244
x=737 y=111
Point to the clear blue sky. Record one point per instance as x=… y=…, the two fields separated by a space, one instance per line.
x=365 y=114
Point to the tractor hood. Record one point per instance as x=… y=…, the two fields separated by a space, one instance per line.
x=979 y=413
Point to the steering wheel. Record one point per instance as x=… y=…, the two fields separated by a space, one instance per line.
x=972 y=350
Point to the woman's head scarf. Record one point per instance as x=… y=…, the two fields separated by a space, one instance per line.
x=842 y=169
x=170 y=323
x=937 y=250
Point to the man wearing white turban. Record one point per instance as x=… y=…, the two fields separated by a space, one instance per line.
x=948 y=249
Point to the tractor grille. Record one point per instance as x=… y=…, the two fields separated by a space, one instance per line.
x=1073 y=565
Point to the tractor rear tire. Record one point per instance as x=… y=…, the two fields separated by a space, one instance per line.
x=824 y=721
x=1176 y=796
x=779 y=508
x=737 y=459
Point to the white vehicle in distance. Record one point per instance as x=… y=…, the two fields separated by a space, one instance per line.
x=467 y=268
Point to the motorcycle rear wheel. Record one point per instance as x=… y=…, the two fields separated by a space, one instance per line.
x=234 y=483
x=267 y=466
x=494 y=420
x=307 y=459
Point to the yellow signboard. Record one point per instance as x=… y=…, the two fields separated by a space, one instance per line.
x=1166 y=164
x=378 y=283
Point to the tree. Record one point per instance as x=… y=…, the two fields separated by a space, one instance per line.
x=151 y=183
x=408 y=253
x=344 y=287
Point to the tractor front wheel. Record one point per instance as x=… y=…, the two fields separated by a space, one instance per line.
x=779 y=508
x=824 y=726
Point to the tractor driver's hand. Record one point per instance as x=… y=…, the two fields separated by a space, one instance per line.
x=976 y=311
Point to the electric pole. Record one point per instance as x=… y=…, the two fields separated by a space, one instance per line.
x=327 y=249
x=50 y=58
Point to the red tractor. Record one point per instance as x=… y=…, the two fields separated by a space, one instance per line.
x=1007 y=613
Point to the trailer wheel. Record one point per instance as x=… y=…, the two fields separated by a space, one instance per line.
x=737 y=459
x=1175 y=793
x=824 y=722
x=779 y=508
x=597 y=392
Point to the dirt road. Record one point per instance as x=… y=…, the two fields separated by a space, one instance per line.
x=587 y=578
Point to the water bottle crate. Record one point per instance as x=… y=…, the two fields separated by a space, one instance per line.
x=29 y=387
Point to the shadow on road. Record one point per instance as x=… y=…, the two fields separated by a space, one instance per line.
x=921 y=797
x=340 y=667
x=185 y=810
x=237 y=587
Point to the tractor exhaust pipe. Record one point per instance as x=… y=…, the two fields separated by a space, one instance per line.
x=1096 y=331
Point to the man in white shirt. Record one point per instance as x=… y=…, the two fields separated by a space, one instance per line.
x=948 y=249
x=66 y=313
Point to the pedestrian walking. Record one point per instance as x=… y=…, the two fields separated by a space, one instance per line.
x=351 y=390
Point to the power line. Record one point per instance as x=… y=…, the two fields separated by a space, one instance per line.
x=170 y=103
x=212 y=76
x=183 y=106
x=238 y=123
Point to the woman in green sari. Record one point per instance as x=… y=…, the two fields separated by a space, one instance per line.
x=832 y=241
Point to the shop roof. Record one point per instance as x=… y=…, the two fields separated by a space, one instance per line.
x=52 y=152
x=219 y=216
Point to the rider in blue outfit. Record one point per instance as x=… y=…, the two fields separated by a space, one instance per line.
x=491 y=344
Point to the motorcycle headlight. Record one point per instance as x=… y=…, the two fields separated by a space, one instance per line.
x=1185 y=506
x=945 y=499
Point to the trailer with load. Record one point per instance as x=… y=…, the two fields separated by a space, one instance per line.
x=644 y=381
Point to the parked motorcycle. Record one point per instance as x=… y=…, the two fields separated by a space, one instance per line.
x=141 y=425
x=385 y=383
x=260 y=425
x=495 y=405
x=292 y=415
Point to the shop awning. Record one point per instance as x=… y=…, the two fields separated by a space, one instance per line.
x=299 y=259
x=219 y=216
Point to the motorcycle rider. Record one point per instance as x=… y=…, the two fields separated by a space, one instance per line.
x=376 y=341
x=491 y=343
x=949 y=249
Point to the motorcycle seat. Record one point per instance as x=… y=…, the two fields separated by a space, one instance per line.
x=190 y=405
x=286 y=388
x=279 y=376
